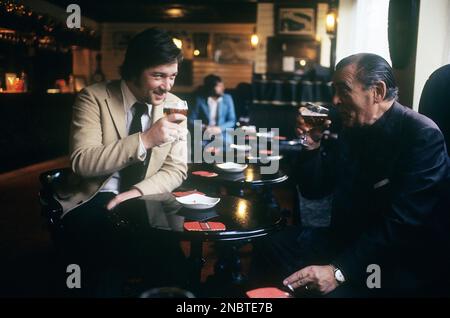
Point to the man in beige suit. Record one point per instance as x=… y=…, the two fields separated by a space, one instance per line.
x=101 y=145
x=122 y=146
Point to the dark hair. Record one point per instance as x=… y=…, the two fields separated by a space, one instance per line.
x=372 y=68
x=209 y=83
x=149 y=48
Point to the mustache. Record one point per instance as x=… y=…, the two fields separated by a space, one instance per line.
x=159 y=91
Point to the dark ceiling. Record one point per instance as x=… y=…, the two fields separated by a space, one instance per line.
x=157 y=11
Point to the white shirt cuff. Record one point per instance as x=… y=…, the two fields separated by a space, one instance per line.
x=142 y=151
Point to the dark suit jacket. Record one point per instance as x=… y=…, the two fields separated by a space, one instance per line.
x=390 y=185
x=226 y=117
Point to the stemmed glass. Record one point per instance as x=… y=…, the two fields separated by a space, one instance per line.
x=175 y=107
x=314 y=117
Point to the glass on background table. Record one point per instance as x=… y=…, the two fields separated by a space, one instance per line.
x=254 y=147
x=251 y=177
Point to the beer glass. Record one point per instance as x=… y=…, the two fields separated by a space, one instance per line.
x=173 y=107
x=314 y=117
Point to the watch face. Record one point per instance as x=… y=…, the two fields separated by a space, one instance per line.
x=339 y=276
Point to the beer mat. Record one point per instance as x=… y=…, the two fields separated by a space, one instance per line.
x=279 y=138
x=206 y=174
x=185 y=193
x=265 y=152
x=267 y=292
x=204 y=226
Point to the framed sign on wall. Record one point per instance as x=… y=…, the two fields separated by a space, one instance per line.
x=233 y=49
x=296 y=21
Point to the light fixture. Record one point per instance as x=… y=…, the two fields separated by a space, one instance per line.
x=302 y=62
x=178 y=42
x=331 y=22
x=331 y=28
x=175 y=12
x=254 y=40
x=196 y=52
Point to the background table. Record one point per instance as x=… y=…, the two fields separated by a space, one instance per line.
x=250 y=177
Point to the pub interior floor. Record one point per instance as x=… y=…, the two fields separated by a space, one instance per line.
x=27 y=261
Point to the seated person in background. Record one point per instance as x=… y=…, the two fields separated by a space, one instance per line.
x=389 y=176
x=122 y=147
x=435 y=100
x=214 y=108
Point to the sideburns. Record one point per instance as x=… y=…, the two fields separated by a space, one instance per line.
x=137 y=82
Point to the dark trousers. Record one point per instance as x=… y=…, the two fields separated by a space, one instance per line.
x=113 y=246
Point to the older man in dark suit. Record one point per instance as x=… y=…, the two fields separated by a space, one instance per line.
x=389 y=176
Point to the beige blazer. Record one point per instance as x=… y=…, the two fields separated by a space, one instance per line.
x=99 y=146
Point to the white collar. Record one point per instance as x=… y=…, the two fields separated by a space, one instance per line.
x=128 y=97
x=215 y=101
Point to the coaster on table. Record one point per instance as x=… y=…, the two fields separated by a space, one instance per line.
x=206 y=174
x=185 y=193
x=204 y=226
x=267 y=292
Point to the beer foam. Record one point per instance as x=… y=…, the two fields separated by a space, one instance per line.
x=180 y=104
x=306 y=112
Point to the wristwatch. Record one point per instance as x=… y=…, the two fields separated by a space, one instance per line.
x=338 y=275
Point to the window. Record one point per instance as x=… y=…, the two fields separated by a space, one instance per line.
x=363 y=28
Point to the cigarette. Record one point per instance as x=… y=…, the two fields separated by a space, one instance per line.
x=290 y=287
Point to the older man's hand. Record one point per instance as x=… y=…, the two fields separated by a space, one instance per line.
x=313 y=278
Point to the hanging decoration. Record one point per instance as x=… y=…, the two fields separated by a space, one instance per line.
x=22 y=25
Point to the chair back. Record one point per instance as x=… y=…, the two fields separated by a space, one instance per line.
x=51 y=210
